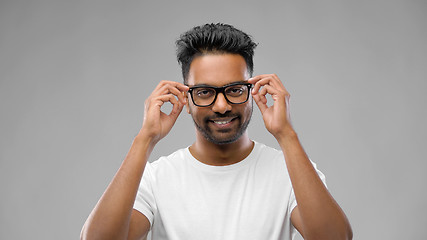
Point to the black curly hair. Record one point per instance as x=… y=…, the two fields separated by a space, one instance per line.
x=213 y=38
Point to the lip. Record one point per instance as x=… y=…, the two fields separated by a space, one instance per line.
x=223 y=122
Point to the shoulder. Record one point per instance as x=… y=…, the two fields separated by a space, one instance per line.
x=276 y=160
x=266 y=149
x=170 y=163
x=269 y=159
x=267 y=153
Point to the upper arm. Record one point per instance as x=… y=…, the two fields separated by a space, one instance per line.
x=296 y=220
x=139 y=226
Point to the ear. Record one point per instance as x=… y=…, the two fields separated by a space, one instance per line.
x=187 y=105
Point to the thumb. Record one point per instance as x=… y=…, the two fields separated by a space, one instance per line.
x=261 y=105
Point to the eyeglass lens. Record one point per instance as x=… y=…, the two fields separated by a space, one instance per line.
x=205 y=96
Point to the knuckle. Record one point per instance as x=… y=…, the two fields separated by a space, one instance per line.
x=282 y=93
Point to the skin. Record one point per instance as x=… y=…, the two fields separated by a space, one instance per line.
x=213 y=70
x=317 y=215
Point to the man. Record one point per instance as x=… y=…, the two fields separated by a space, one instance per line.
x=223 y=186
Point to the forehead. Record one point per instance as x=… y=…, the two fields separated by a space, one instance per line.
x=217 y=70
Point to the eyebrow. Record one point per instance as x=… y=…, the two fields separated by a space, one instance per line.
x=207 y=85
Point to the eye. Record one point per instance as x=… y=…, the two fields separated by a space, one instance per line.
x=235 y=91
x=204 y=92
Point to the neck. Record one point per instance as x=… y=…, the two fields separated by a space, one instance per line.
x=221 y=154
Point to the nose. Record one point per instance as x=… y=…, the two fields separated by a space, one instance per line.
x=221 y=105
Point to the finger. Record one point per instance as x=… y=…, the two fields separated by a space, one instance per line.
x=181 y=87
x=172 y=117
x=161 y=86
x=160 y=100
x=177 y=108
x=168 y=88
x=276 y=94
x=268 y=89
x=277 y=83
x=262 y=104
x=255 y=79
x=261 y=93
x=260 y=83
x=175 y=91
x=273 y=87
x=261 y=76
x=261 y=80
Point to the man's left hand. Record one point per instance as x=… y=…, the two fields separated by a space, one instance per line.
x=277 y=116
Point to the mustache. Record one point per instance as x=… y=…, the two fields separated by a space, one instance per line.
x=219 y=115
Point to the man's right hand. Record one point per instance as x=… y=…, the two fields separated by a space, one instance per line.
x=157 y=124
x=113 y=216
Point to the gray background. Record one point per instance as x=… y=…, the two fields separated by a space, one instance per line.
x=74 y=76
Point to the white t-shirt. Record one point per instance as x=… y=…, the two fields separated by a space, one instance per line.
x=185 y=199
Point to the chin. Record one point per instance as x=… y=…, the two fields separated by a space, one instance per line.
x=222 y=140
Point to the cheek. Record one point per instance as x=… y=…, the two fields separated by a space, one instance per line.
x=187 y=104
x=248 y=108
x=193 y=111
x=187 y=107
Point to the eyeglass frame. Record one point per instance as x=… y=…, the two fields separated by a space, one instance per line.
x=219 y=90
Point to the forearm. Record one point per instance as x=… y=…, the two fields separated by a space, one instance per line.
x=321 y=216
x=111 y=216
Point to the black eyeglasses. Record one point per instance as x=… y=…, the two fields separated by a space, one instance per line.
x=235 y=93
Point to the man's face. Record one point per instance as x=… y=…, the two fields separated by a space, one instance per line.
x=222 y=122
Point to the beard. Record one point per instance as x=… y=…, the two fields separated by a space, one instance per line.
x=224 y=136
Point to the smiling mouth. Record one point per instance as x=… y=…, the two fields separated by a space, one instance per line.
x=223 y=122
